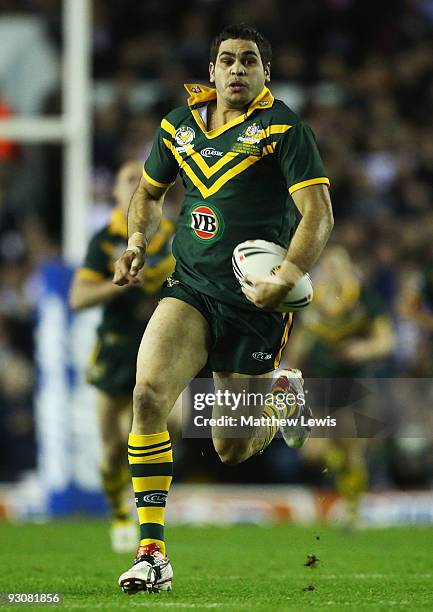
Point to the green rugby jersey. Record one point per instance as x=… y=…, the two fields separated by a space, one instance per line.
x=126 y=314
x=238 y=180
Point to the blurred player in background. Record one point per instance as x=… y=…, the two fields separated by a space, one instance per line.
x=126 y=311
x=416 y=304
x=246 y=161
x=344 y=333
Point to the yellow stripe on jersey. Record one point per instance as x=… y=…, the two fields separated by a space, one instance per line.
x=243 y=165
x=182 y=164
x=118 y=225
x=323 y=180
x=269 y=149
x=153 y=182
x=209 y=171
x=108 y=247
x=168 y=127
x=163 y=233
x=90 y=275
x=224 y=178
x=274 y=129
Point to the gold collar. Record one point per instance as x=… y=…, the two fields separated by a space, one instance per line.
x=200 y=94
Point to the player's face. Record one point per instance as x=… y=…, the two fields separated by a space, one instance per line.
x=126 y=183
x=238 y=73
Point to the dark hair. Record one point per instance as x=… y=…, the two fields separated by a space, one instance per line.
x=242 y=31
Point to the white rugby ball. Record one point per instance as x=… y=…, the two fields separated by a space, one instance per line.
x=260 y=258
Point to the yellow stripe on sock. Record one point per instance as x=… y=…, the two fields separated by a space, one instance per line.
x=147 y=439
x=162 y=458
x=151 y=515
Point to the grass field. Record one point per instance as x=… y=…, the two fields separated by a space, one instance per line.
x=237 y=568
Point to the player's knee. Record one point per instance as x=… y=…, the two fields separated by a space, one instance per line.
x=149 y=400
x=230 y=452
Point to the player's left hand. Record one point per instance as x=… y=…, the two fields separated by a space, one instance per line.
x=267 y=292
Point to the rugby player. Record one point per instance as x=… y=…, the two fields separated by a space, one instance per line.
x=246 y=161
x=125 y=314
x=345 y=334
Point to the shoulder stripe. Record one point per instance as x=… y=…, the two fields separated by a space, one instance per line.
x=275 y=129
x=269 y=148
x=152 y=181
x=323 y=180
x=168 y=127
x=90 y=275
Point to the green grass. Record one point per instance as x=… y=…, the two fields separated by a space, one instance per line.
x=237 y=568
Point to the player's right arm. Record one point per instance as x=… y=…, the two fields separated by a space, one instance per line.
x=144 y=217
x=92 y=284
x=145 y=210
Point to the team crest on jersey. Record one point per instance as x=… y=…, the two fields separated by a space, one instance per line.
x=251 y=134
x=206 y=222
x=184 y=137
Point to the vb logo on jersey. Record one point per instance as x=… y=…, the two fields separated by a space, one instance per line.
x=206 y=222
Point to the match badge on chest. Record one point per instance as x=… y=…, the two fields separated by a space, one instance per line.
x=251 y=134
x=184 y=137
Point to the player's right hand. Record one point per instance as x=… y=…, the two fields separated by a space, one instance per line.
x=128 y=266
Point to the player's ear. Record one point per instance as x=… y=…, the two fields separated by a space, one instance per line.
x=211 y=72
x=267 y=72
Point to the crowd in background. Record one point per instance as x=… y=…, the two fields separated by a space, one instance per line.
x=359 y=71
